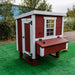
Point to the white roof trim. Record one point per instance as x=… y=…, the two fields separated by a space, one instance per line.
x=40 y=13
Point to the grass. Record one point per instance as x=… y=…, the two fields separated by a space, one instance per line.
x=11 y=64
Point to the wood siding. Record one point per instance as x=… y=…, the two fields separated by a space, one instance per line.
x=39 y=25
x=20 y=34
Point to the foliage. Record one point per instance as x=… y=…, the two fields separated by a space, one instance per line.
x=5 y=31
x=7 y=22
x=29 y=5
x=5 y=10
x=70 y=24
x=71 y=13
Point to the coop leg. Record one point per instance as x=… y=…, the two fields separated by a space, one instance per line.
x=34 y=62
x=21 y=54
x=57 y=54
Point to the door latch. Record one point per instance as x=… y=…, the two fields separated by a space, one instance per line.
x=22 y=36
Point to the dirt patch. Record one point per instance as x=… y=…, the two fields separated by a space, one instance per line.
x=6 y=42
x=70 y=36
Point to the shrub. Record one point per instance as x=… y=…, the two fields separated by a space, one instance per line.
x=6 y=31
x=69 y=25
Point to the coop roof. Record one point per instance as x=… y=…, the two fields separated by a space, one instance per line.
x=40 y=13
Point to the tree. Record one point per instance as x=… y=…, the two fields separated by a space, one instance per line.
x=7 y=20
x=71 y=13
x=5 y=10
x=29 y=5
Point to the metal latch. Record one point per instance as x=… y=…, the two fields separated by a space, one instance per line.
x=22 y=36
x=30 y=22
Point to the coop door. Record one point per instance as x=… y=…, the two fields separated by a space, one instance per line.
x=26 y=36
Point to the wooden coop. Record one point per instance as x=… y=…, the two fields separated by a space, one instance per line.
x=40 y=33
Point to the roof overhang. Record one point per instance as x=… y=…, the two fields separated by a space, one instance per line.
x=40 y=13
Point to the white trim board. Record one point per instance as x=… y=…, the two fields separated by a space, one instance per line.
x=44 y=38
x=16 y=34
x=33 y=37
x=40 y=13
x=62 y=25
x=41 y=52
x=23 y=35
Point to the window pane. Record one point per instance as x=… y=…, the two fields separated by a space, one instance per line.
x=52 y=25
x=52 y=21
x=51 y=33
x=47 y=34
x=48 y=21
x=51 y=30
x=48 y=25
x=48 y=30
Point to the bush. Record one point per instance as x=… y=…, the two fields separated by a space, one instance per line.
x=69 y=25
x=6 y=31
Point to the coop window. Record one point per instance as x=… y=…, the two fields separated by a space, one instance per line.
x=49 y=27
x=50 y=24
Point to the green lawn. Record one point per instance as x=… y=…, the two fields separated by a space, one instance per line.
x=11 y=64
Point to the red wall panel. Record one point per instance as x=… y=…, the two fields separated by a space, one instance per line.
x=59 y=26
x=27 y=37
x=39 y=25
x=53 y=49
x=19 y=35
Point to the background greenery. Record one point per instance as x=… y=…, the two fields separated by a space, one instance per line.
x=70 y=20
x=7 y=21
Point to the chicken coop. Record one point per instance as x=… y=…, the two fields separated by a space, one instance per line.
x=40 y=33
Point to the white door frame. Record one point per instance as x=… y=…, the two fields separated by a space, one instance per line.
x=23 y=35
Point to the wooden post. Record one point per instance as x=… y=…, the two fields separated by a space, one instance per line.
x=21 y=54
x=34 y=62
x=57 y=54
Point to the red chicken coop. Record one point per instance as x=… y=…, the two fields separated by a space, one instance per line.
x=40 y=33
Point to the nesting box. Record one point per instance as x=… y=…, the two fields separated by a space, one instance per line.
x=40 y=33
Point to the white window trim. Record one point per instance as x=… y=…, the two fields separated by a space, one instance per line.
x=49 y=18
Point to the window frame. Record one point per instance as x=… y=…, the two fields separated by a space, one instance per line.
x=45 y=28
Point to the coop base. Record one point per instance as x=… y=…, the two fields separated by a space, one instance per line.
x=34 y=61
x=57 y=55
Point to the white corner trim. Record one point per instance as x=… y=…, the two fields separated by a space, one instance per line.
x=40 y=13
x=41 y=51
x=44 y=38
x=23 y=35
x=62 y=25
x=66 y=45
x=17 y=34
x=33 y=38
